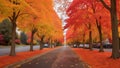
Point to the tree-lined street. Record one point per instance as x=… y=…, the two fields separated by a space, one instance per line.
x=62 y=57
x=60 y=33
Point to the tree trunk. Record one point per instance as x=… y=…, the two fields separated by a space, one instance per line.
x=90 y=41
x=99 y=30
x=41 y=45
x=115 y=37
x=100 y=37
x=55 y=43
x=119 y=42
x=99 y=27
x=50 y=43
x=12 y=51
x=114 y=24
x=31 y=43
x=90 y=38
x=84 y=40
x=41 y=42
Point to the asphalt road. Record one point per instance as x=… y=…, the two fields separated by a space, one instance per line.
x=5 y=50
x=62 y=57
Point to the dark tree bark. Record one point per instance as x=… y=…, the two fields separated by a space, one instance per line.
x=114 y=22
x=41 y=45
x=119 y=42
x=31 y=44
x=13 y=19
x=90 y=38
x=50 y=43
x=99 y=27
x=55 y=43
x=115 y=36
x=42 y=42
x=34 y=30
x=12 y=52
x=84 y=40
x=100 y=37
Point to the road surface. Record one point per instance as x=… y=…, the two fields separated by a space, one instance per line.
x=62 y=57
x=5 y=50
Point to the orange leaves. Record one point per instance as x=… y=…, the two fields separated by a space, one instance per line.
x=49 y=24
x=20 y=56
x=33 y=14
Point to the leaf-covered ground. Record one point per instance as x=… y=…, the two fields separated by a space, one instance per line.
x=96 y=59
x=6 y=60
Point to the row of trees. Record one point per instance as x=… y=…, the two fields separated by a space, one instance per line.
x=36 y=18
x=94 y=20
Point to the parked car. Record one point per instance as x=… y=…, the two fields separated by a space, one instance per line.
x=74 y=46
x=84 y=45
x=46 y=45
x=107 y=45
x=81 y=45
x=96 y=45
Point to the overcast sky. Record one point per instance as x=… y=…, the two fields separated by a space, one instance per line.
x=60 y=8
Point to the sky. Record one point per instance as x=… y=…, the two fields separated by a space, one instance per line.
x=60 y=8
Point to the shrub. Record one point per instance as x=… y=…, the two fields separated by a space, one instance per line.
x=2 y=41
x=17 y=41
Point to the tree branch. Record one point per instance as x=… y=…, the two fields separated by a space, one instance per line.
x=24 y=14
x=17 y=14
x=86 y=25
x=98 y=25
x=10 y=18
x=105 y=5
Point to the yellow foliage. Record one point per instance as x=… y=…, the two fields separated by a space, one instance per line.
x=34 y=14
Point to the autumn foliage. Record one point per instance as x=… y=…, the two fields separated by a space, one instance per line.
x=81 y=13
x=35 y=17
x=96 y=59
x=100 y=16
x=47 y=21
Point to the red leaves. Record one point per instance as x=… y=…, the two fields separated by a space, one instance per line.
x=96 y=59
x=87 y=12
